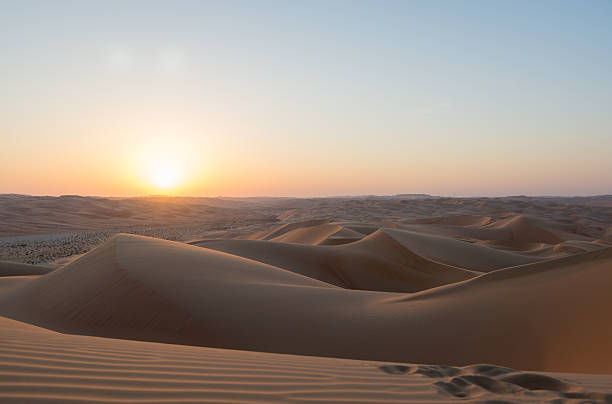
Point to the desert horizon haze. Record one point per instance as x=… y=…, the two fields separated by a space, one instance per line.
x=305 y=98
x=341 y=201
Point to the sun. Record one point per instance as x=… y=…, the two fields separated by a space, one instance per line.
x=163 y=176
x=163 y=171
x=164 y=165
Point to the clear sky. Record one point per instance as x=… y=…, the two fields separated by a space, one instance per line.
x=306 y=98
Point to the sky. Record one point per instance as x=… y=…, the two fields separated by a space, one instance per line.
x=306 y=98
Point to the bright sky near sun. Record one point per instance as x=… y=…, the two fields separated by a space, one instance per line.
x=306 y=98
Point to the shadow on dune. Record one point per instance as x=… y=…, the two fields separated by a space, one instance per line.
x=544 y=316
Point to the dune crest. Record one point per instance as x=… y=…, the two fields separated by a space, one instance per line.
x=458 y=253
x=375 y=262
x=526 y=229
x=148 y=289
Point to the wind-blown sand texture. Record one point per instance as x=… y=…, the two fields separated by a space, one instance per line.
x=42 y=366
x=38 y=365
x=324 y=309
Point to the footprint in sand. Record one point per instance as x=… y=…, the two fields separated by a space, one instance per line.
x=477 y=380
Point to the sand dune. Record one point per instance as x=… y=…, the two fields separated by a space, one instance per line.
x=116 y=289
x=465 y=233
x=446 y=250
x=376 y=262
x=458 y=253
x=343 y=236
x=309 y=235
x=562 y=249
x=311 y=232
x=18 y=269
x=545 y=315
x=324 y=234
x=280 y=230
x=526 y=229
x=38 y=365
x=522 y=235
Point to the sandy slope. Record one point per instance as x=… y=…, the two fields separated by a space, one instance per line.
x=445 y=250
x=309 y=235
x=542 y=316
x=18 y=269
x=283 y=229
x=528 y=229
x=376 y=262
x=457 y=252
x=314 y=232
x=42 y=366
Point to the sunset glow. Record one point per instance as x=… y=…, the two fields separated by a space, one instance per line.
x=163 y=176
x=163 y=165
x=231 y=99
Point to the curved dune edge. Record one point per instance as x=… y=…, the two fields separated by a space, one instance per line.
x=39 y=365
x=458 y=253
x=532 y=237
x=277 y=231
x=547 y=251
x=376 y=262
x=525 y=229
x=8 y=268
x=324 y=234
x=311 y=232
x=309 y=235
x=542 y=316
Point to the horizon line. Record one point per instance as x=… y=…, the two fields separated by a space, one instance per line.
x=415 y=195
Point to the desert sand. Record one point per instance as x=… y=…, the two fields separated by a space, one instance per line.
x=370 y=299
x=38 y=365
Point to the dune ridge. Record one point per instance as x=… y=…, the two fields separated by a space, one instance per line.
x=193 y=295
x=458 y=253
x=375 y=262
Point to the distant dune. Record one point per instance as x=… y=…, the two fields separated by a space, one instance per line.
x=24 y=214
x=376 y=262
